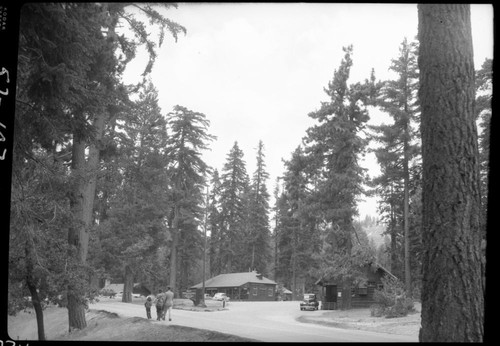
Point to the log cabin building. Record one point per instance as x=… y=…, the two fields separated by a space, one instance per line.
x=246 y=286
x=361 y=296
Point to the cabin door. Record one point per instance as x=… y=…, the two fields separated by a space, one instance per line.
x=330 y=302
x=331 y=293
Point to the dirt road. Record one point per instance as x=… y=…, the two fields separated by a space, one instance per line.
x=263 y=321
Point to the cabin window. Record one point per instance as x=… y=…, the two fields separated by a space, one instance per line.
x=271 y=293
x=263 y=291
x=244 y=293
x=255 y=291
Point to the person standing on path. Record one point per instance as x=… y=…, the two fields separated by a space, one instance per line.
x=159 y=303
x=169 y=302
x=148 y=305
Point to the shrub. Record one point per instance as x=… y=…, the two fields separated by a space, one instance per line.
x=383 y=298
x=391 y=300
x=376 y=310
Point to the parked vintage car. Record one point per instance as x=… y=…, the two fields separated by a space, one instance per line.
x=310 y=302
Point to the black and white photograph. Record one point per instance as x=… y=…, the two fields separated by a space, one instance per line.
x=246 y=172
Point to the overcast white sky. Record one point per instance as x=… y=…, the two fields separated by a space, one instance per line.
x=257 y=70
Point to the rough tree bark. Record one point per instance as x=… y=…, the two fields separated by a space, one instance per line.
x=173 y=251
x=452 y=292
x=32 y=287
x=128 y=285
x=82 y=203
x=348 y=281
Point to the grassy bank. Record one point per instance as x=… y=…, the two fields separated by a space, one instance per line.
x=105 y=326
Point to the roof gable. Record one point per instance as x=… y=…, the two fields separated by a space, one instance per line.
x=235 y=280
x=374 y=266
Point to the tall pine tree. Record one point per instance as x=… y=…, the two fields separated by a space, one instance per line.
x=215 y=225
x=257 y=239
x=399 y=147
x=135 y=226
x=334 y=146
x=71 y=63
x=233 y=215
x=297 y=234
x=187 y=173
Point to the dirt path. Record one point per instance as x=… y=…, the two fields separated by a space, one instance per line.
x=264 y=321
x=261 y=321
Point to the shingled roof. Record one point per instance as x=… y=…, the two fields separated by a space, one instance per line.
x=235 y=280
x=373 y=265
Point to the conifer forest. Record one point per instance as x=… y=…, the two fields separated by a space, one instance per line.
x=108 y=185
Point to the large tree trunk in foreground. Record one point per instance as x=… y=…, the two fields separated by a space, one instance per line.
x=37 y=305
x=82 y=204
x=77 y=239
x=128 y=285
x=452 y=292
x=76 y=311
x=31 y=283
